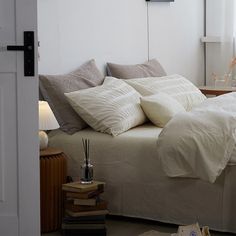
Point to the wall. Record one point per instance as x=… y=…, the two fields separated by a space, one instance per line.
x=175 y=32
x=219 y=24
x=123 y=31
x=71 y=32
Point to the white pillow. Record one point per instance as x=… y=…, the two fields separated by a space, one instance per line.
x=160 y=108
x=178 y=87
x=112 y=108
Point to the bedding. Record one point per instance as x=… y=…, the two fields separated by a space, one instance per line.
x=178 y=87
x=150 y=68
x=200 y=143
x=105 y=148
x=132 y=166
x=53 y=87
x=160 y=108
x=136 y=185
x=112 y=108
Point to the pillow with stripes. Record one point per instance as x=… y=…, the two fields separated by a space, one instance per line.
x=112 y=108
x=176 y=86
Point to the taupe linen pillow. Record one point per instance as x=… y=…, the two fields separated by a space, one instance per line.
x=150 y=68
x=53 y=88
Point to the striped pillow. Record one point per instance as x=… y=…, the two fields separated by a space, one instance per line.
x=178 y=87
x=112 y=108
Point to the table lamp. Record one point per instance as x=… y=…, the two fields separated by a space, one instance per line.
x=47 y=121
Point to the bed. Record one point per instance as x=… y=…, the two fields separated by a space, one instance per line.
x=125 y=148
x=137 y=187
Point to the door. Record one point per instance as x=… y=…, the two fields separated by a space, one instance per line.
x=19 y=157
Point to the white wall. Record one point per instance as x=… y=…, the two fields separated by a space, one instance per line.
x=175 y=31
x=219 y=23
x=71 y=32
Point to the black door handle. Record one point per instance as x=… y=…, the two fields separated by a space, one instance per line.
x=28 y=49
x=15 y=48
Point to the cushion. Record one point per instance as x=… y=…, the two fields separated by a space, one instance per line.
x=150 y=68
x=160 y=108
x=112 y=108
x=53 y=88
x=178 y=87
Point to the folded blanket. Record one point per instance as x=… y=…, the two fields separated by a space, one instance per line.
x=200 y=143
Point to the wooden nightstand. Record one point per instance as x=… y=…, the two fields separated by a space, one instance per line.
x=211 y=90
x=52 y=176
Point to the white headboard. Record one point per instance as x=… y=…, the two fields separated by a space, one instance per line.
x=106 y=30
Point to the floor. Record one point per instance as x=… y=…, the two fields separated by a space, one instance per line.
x=117 y=226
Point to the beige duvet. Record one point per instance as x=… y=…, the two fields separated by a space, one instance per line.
x=200 y=143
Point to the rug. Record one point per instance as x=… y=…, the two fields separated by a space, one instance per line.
x=155 y=233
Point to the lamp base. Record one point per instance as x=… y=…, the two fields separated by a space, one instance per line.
x=43 y=140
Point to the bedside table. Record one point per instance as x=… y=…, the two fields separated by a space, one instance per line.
x=212 y=90
x=52 y=176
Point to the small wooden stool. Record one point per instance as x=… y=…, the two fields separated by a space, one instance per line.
x=52 y=176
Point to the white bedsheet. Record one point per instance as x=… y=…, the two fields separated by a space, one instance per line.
x=200 y=143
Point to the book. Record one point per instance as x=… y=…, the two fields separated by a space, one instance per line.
x=81 y=188
x=101 y=205
x=87 y=202
x=84 y=232
x=95 y=218
x=86 y=213
x=82 y=226
x=85 y=195
x=101 y=222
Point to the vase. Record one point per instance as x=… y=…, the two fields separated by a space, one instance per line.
x=86 y=172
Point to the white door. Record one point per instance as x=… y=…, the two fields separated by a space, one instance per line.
x=19 y=158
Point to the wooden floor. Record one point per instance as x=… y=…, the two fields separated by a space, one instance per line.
x=122 y=226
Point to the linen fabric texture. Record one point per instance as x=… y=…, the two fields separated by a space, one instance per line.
x=150 y=68
x=178 y=87
x=134 y=175
x=200 y=143
x=160 y=108
x=112 y=108
x=53 y=87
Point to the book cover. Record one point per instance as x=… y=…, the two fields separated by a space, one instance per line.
x=81 y=188
x=86 y=213
x=95 y=218
x=85 y=195
x=87 y=202
x=101 y=205
x=84 y=232
x=85 y=222
x=82 y=226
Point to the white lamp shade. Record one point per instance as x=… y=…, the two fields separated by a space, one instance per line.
x=47 y=120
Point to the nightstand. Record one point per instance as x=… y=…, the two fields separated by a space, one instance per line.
x=212 y=90
x=52 y=176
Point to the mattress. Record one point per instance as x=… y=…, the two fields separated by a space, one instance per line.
x=136 y=186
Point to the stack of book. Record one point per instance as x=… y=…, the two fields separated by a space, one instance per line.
x=85 y=211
